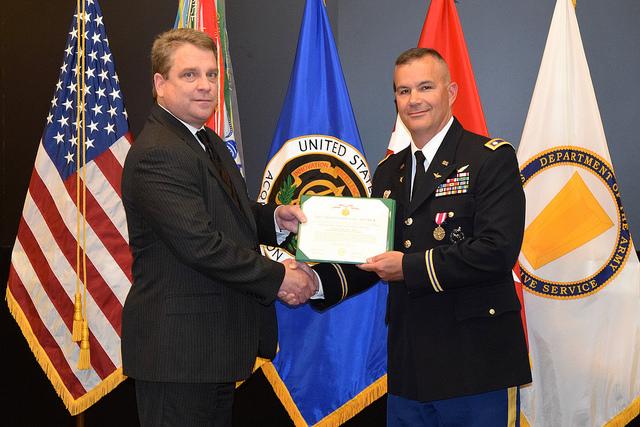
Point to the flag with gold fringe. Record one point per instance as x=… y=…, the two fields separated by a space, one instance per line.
x=579 y=267
x=209 y=16
x=70 y=267
x=330 y=365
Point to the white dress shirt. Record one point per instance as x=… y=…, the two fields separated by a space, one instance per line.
x=429 y=150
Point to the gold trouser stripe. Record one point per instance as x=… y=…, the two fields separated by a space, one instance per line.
x=431 y=271
x=343 y=281
x=512 y=395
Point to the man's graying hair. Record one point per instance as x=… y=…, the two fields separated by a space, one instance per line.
x=416 y=53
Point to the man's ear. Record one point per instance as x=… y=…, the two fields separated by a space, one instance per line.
x=453 y=92
x=158 y=84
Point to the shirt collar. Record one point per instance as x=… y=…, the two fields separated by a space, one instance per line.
x=192 y=129
x=431 y=147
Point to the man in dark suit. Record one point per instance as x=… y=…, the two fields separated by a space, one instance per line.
x=201 y=307
x=456 y=346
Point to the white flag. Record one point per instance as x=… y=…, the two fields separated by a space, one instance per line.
x=400 y=137
x=579 y=267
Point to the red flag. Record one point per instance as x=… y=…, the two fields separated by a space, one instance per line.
x=72 y=239
x=209 y=16
x=442 y=31
x=210 y=26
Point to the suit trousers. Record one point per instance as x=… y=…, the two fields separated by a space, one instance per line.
x=164 y=404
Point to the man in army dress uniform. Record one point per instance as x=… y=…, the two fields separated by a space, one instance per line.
x=456 y=346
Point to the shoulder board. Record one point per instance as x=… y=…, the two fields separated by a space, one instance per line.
x=385 y=158
x=496 y=143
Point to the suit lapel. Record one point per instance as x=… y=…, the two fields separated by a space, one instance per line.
x=234 y=174
x=183 y=133
x=405 y=172
x=395 y=175
x=441 y=167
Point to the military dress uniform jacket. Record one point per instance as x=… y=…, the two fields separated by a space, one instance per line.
x=201 y=305
x=454 y=325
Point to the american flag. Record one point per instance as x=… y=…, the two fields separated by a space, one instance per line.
x=42 y=277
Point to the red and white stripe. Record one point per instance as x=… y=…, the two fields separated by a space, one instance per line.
x=42 y=280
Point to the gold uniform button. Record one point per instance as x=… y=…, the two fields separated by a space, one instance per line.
x=408 y=221
x=492 y=311
x=407 y=244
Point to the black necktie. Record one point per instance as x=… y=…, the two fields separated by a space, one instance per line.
x=217 y=162
x=420 y=178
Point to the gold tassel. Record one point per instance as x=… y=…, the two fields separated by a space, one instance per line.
x=76 y=333
x=84 y=361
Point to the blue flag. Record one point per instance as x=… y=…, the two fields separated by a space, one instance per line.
x=330 y=365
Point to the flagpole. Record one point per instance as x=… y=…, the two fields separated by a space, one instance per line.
x=80 y=419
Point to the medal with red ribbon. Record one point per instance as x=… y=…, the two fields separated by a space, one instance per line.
x=438 y=232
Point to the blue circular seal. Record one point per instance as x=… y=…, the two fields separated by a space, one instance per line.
x=592 y=162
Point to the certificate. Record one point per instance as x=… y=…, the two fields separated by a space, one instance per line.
x=345 y=229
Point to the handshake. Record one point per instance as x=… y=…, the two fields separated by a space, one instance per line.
x=299 y=284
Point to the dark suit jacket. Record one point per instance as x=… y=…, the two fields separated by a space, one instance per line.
x=454 y=322
x=201 y=305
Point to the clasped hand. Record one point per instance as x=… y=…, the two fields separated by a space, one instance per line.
x=300 y=283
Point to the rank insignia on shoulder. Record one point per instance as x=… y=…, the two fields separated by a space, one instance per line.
x=385 y=158
x=496 y=143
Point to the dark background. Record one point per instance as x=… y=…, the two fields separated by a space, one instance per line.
x=505 y=41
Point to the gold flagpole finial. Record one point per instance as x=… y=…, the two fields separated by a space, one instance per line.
x=574 y=3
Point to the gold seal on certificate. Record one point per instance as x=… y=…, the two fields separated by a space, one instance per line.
x=345 y=229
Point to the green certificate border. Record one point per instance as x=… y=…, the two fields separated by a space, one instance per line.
x=389 y=203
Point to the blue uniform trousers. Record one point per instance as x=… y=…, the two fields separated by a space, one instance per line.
x=491 y=409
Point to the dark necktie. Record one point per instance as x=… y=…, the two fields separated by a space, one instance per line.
x=420 y=178
x=217 y=162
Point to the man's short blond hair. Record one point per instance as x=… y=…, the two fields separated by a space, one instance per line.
x=166 y=43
